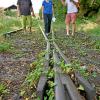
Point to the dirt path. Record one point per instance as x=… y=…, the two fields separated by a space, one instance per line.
x=15 y=64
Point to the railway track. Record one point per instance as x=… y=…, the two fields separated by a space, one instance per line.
x=65 y=88
x=15 y=63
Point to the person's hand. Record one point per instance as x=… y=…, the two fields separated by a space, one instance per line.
x=33 y=14
x=18 y=14
x=42 y=16
x=53 y=19
x=71 y=0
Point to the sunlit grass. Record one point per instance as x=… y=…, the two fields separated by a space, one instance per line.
x=9 y=24
x=89 y=26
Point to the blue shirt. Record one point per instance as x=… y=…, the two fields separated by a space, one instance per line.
x=25 y=7
x=47 y=7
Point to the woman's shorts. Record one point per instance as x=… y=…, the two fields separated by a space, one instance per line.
x=70 y=17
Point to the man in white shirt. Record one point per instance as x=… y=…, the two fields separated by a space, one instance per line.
x=72 y=9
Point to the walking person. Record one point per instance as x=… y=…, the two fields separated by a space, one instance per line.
x=72 y=9
x=47 y=13
x=24 y=8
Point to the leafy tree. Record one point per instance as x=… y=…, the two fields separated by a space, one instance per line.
x=87 y=8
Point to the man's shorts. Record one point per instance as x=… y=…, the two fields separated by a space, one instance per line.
x=70 y=17
x=26 y=20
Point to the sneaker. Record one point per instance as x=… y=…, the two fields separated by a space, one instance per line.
x=72 y=34
x=67 y=34
x=46 y=34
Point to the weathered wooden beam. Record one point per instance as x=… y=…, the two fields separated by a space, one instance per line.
x=41 y=86
x=90 y=91
x=60 y=93
x=72 y=90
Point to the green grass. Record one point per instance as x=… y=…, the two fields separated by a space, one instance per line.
x=89 y=26
x=10 y=13
x=9 y=24
x=95 y=31
x=4 y=47
x=3 y=89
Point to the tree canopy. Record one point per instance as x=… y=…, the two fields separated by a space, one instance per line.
x=87 y=8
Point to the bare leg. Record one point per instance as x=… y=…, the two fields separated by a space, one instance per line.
x=73 y=28
x=30 y=30
x=67 y=28
x=73 y=19
x=67 y=21
x=24 y=18
x=29 y=19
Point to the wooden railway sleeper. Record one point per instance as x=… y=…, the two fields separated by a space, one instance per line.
x=90 y=91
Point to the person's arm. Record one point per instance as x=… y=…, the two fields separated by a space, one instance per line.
x=63 y=2
x=42 y=11
x=32 y=10
x=18 y=9
x=53 y=10
x=43 y=4
x=76 y=3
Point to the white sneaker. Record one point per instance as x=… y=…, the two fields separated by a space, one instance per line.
x=53 y=19
x=46 y=34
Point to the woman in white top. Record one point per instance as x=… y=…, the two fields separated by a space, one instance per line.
x=72 y=9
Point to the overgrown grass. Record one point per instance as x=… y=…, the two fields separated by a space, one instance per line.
x=91 y=26
x=9 y=24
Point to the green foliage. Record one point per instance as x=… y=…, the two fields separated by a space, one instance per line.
x=83 y=71
x=4 y=47
x=66 y=67
x=59 y=10
x=10 y=13
x=50 y=91
x=50 y=74
x=50 y=94
x=86 y=5
x=33 y=76
x=3 y=89
x=94 y=74
x=74 y=66
x=9 y=24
